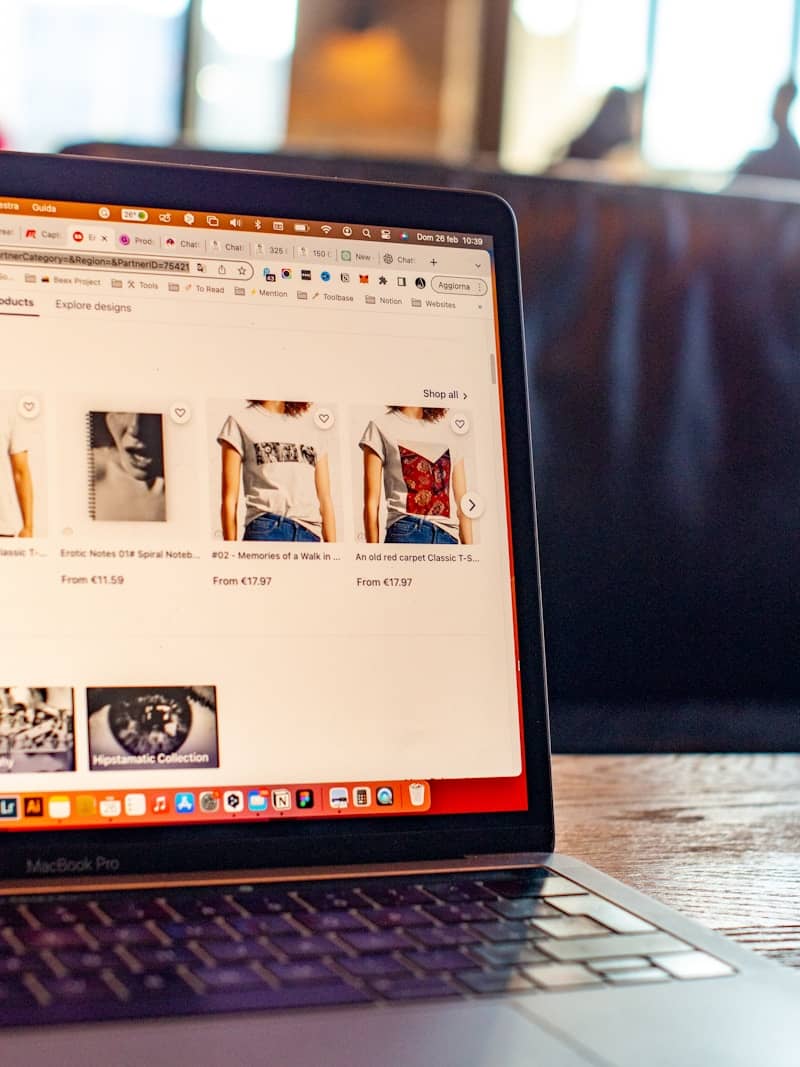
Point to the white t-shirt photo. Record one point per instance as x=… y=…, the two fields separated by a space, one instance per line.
x=13 y=441
x=418 y=459
x=279 y=462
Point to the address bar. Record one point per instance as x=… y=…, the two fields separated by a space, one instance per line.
x=211 y=268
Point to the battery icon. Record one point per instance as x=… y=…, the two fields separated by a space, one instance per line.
x=301 y=227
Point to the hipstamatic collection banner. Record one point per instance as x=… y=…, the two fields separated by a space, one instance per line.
x=152 y=728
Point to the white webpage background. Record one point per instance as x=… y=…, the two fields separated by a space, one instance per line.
x=317 y=679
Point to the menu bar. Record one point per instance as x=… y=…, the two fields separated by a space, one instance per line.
x=261 y=224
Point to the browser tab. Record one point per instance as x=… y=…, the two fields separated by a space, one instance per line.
x=273 y=248
x=364 y=256
x=140 y=241
x=190 y=244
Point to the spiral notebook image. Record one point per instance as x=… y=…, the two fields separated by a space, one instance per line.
x=126 y=466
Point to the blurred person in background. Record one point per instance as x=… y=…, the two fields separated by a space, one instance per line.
x=782 y=158
x=612 y=126
x=612 y=137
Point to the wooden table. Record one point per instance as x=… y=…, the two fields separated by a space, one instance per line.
x=717 y=837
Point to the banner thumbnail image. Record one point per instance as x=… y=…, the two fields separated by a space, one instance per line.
x=155 y=727
x=37 y=729
x=274 y=470
x=126 y=467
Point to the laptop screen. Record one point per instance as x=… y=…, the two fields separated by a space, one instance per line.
x=254 y=535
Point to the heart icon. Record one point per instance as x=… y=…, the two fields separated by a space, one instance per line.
x=323 y=416
x=29 y=405
x=180 y=412
x=460 y=424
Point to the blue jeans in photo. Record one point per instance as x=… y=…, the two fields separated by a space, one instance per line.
x=413 y=530
x=276 y=528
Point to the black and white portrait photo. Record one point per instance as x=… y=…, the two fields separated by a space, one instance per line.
x=37 y=729
x=126 y=468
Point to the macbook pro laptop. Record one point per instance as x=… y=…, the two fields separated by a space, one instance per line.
x=274 y=765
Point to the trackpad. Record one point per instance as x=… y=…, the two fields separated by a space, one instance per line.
x=466 y=1034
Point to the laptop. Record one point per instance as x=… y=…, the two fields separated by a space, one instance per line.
x=274 y=764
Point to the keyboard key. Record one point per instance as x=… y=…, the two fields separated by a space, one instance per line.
x=561 y=975
x=405 y=916
x=129 y=909
x=223 y=978
x=688 y=965
x=458 y=892
x=127 y=934
x=597 y=948
x=14 y=994
x=570 y=926
x=10 y=966
x=378 y=966
x=523 y=908
x=508 y=953
x=77 y=987
x=207 y=930
x=496 y=981
x=161 y=987
x=443 y=959
x=615 y=918
x=256 y=925
x=205 y=907
x=472 y=911
x=548 y=885
x=307 y=971
x=77 y=960
x=159 y=957
x=378 y=941
x=300 y=995
x=443 y=936
x=330 y=921
x=397 y=895
x=338 y=898
x=312 y=946
x=273 y=902
x=640 y=977
x=620 y=963
x=502 y=930
x=414 y=988
x=63 y=914
x=59 y=937
x=234 y=951
x=10 y=915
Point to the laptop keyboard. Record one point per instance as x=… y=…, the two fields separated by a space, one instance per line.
x=304 y=944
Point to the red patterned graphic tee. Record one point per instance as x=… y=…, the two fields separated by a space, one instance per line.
x=418 y=461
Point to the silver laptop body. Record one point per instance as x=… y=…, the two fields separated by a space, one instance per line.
x=260 y=646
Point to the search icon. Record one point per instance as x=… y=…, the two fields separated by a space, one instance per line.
x=365 y=232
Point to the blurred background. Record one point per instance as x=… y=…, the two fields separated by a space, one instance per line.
x=649 y=149
x=508 y=83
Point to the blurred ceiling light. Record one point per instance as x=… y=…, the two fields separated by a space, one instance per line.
x=546 y=18
x=366 y=58
x=214 y=83
x=263 y=28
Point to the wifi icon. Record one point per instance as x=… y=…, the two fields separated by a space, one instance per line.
x=326 y=229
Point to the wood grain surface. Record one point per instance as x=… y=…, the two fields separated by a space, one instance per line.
x=715 y=836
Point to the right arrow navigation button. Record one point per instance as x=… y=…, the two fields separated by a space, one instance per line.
x=472 y=505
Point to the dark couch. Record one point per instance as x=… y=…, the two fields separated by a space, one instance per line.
x=663 y=334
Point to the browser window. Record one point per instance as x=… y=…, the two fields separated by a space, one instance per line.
x=253 y=522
